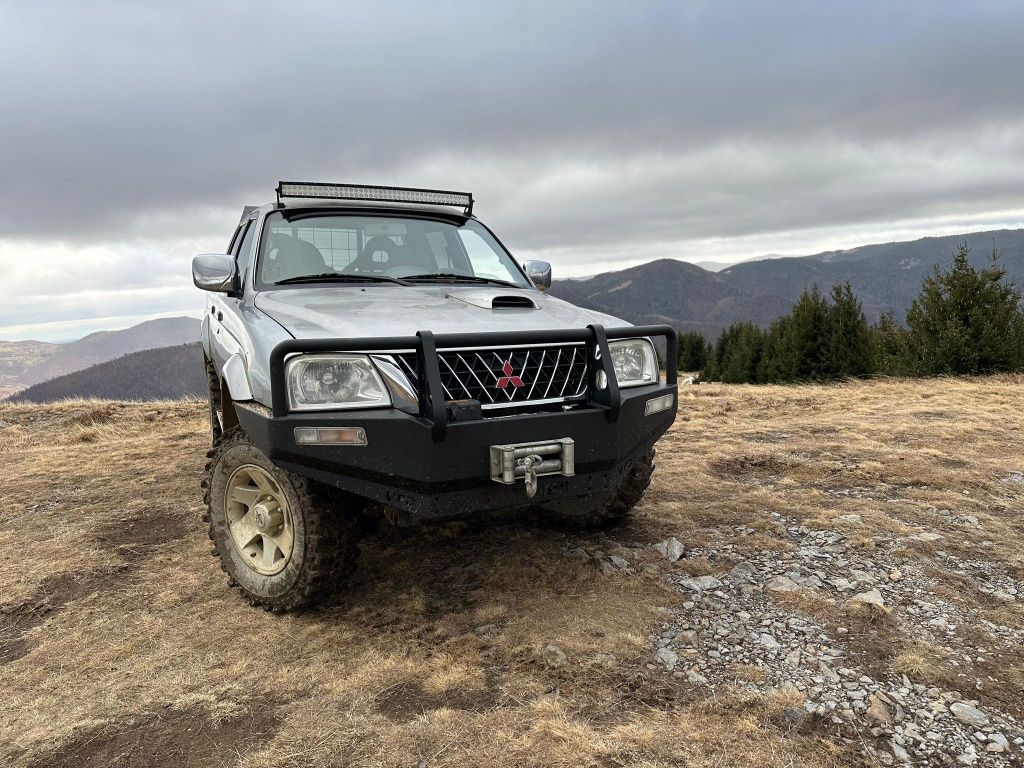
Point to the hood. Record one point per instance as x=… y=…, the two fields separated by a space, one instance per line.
x=347 y=311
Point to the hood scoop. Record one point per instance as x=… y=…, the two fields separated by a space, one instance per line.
x=491 y=300
x=512 y=302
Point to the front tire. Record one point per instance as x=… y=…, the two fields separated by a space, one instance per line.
x=283 y=541
x=216 y=418
x=615 y=509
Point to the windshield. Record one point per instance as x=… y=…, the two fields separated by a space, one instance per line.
x=375 y=248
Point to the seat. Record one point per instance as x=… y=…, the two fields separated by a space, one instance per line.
x=374 y=245
x=297 y=257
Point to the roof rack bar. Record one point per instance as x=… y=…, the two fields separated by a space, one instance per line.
x=330 y=191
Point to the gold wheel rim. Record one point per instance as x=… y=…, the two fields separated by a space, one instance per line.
x=259 y=520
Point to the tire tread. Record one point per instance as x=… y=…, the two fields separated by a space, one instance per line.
x=616 y=509
x=331 y=537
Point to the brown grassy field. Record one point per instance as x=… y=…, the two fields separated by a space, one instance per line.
x=120 y=643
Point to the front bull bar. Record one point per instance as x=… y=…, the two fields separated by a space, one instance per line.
x=432 y=403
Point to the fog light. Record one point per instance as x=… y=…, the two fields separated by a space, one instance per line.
x=658 y=404
x=601 y=380
x=330 y=436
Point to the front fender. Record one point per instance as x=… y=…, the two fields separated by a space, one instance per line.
x=237 y=378
x=204 y=333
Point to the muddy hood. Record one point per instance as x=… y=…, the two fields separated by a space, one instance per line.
x=354 y=311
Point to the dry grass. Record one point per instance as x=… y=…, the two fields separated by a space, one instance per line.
x=922 y=661
x=119 y=637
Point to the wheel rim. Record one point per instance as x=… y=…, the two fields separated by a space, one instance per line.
x=259 y=520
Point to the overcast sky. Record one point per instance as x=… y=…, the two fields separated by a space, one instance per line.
x=596 y=135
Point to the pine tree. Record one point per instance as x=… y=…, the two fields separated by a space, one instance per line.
x=819 y=340
x=808 y=340
x=693 y=351
x=742 y=354
x=966 y=321
x=890 y=348
x=736 y=354
x=798 y=346
x=849 y=352
x=713 y=367
x=775 y=365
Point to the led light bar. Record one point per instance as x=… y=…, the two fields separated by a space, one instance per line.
x=325 y=191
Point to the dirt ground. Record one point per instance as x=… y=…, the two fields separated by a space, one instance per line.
x=512 y=641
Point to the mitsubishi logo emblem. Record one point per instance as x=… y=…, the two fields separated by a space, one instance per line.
x=508 y=378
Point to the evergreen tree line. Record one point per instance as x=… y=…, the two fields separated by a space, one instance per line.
x=964 y=321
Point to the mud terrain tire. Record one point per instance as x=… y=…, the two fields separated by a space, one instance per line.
x=322 y=524
x=216 y=426
x=614 y=509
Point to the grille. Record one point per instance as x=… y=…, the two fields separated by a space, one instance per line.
x=508 y=377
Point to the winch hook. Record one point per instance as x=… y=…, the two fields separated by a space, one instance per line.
x=530 y=474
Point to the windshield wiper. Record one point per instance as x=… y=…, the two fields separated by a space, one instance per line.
x=465 y=278
x=340 y=277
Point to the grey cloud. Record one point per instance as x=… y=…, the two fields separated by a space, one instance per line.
x=117 y=109
x=618 y=129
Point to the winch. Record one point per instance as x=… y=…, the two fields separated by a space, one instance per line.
x=530 y=461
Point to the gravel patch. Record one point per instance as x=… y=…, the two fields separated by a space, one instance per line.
x=739 y=625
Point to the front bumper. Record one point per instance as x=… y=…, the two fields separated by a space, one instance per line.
x=425 y=466
x=401 y=465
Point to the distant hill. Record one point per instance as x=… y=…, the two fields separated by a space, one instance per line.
x=16 y=357
x=673 y=292
x=885 y=277
x=106 y=345
x=164 y=373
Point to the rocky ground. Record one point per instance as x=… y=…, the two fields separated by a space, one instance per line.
x=755 y=626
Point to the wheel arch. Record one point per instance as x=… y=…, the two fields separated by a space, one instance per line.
x=232 y=386
x=228 y=414
x=236 y=379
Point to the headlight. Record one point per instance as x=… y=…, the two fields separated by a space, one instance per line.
x=634 y=362
x=320 y=382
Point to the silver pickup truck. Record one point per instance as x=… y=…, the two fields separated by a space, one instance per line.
x=378 y=351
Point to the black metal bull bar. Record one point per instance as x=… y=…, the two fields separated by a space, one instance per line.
x=432 y=402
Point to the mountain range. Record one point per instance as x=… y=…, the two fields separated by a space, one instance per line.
x=24 y=363
x=884 y=276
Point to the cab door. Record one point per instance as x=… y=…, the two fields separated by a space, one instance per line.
x=227 y=331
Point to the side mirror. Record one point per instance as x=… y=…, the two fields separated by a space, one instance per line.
x=215 y=272
x=539 y=273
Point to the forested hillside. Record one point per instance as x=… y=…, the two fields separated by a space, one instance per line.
x=165 y=373
x=106 y=345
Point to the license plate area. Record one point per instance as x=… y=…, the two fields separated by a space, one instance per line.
x=528 y=461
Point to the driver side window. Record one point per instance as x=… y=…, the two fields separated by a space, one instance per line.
x=243 y=252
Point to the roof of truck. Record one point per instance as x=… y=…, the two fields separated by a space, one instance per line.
x=299 y=207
